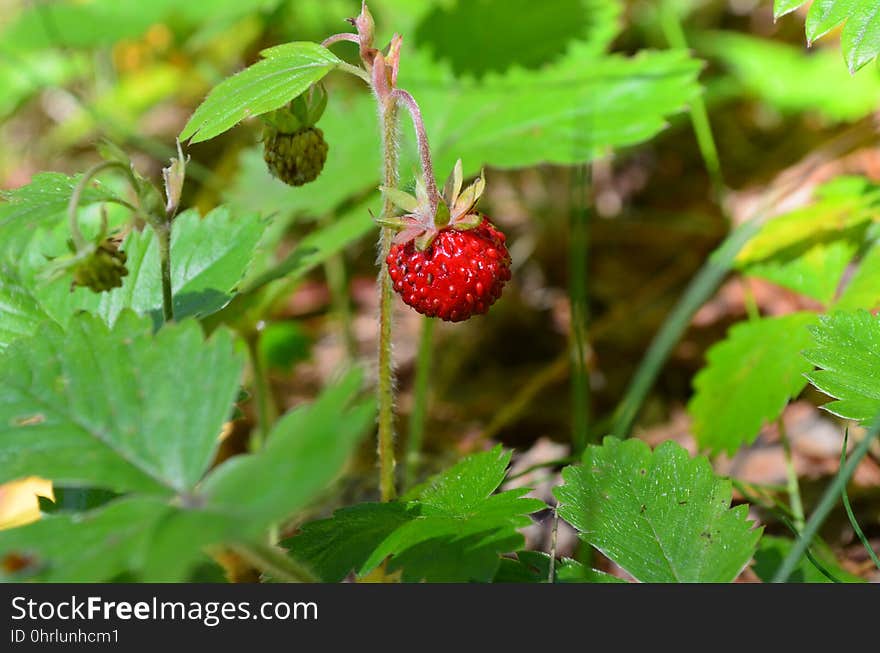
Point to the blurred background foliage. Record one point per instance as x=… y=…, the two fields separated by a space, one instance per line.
x=75 y=72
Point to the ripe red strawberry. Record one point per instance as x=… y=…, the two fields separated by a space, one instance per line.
x=447 y=260
x=460 y=274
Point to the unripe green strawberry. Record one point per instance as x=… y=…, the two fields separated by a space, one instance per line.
x=103 y=269
x=296 y=158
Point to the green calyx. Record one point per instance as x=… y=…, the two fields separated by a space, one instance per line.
x=425 y=217
x=302 y=112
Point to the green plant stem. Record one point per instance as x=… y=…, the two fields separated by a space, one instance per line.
x=266 y=410
x=701 y=288
x=163 y=238
x=792 y=486
x=674 y=32
x=387 y=490
x=826 y=503
x=73 y=205
x=274 y=562
x=777 y=509
x=421 y=386
x=579 y=225
x=844 y=496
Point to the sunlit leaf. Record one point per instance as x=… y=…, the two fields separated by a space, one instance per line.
x=265 y=86
x=846 y=349
x=749 y=378
x=662 y=516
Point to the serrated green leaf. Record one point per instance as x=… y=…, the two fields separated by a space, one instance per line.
x=20 y=313
x=783 y=7
x=117 y=408
x=748 y=380
x=863 y=289
x=860 y=38
x=534 y=567
x=815 y=271
x=567 y=113
x=662 y=516
x=41 y=203
x=466 y=484
x=843 y=207
x=337 y=546
x=809 y=249
x=85 y=548
x=846 y=349
x=163 y=537
x=243 y=496
x=267 y=85
x=452 y=529
x=772 y=551
x=524 y=34
x=296 y=462
x=209 y=257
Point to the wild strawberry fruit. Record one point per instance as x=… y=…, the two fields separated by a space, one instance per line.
x=447 y=260
x=459 y=275
x=293 y=148
x=297 y=158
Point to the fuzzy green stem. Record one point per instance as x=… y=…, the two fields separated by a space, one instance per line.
x=579 y=224
x=792 y=486
x=274 y=562
x=387 y=490
x=163 y=238
x=421 y=387
x=674 y=33
x=826 y=503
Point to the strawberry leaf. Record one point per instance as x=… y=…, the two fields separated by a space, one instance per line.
x=808 y=249
x=451 y=528
x=209 y=256
x=863 y=288
x=860 y=38
x=41 y=204
x=846 y=349
x=663 y=517
x=101 y=407
x=20 y=312
x=748 y=380
x=287 y=71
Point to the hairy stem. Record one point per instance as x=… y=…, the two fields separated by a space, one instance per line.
x=420 y=401
x=422 y=139
x=826 y=503
x=388 y=113
x=163 y=237
x=274 y=562
x=792 y=486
